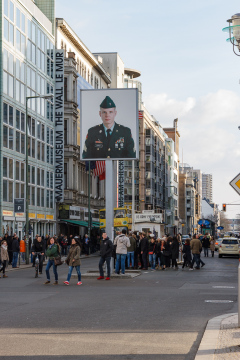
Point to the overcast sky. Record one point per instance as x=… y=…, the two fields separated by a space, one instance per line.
x=188 y=71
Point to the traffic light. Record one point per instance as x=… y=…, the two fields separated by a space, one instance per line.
x=224 y=207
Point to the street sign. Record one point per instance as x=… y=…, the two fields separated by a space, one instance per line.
x=19 y=226
x=203 y=222
x=19 y=205
x=220 y=227
x=235 y=184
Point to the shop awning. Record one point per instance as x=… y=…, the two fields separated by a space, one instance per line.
x=95 y=224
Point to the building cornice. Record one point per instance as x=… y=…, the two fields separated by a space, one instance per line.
x=77 y=42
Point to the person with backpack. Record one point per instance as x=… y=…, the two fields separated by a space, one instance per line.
x=64 y=245
x=122 y=242
x=53 y=251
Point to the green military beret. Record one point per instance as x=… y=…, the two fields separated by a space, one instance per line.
x=107 y=103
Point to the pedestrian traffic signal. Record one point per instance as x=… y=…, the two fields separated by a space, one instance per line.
x=224 y=207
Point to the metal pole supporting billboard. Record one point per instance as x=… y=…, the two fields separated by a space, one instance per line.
x=109 y=198
x=89 y=203
x=133 y=194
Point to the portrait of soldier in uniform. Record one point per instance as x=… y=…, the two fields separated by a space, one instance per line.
x=109 y=139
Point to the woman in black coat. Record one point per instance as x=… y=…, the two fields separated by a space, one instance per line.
x=167 y=252
x=175 y=252
x=187 y=257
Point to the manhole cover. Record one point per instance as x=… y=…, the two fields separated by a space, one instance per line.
x=219 y=301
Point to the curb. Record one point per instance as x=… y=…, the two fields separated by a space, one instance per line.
x=24 y=266
x=209 y=341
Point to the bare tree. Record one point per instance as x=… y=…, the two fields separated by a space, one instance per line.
x=225 y=222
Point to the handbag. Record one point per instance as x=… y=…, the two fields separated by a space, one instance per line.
x=58 y=261
x=166 y=253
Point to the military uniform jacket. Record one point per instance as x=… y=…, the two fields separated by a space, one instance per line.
x=120 y=145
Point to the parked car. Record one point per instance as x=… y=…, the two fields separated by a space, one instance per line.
x=218 y=242
x=185 y=237
x=229 y=246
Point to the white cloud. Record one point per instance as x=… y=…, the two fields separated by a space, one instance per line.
x=210 y=138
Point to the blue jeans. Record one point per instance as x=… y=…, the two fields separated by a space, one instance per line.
x=152 y=261
x=101 y=262
x=130 y=255
x=196 y=258
x=49 y=264
x=70 y=269
x=120 y=258
x=205 y=251
x=15 y=259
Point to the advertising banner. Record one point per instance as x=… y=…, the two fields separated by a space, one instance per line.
x=109 y=124
x=120 y=183
x=59 y=125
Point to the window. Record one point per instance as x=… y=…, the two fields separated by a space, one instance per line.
x=20 y=82
x=49 y=192
x=7 y=179
x=8 y=131
x=20 y=179
x=20 y=135
x=8 y=79
x=41 y=184
x=49 y=146
x=65 y=132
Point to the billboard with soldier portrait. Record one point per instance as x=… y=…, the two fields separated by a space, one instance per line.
x=109 y=124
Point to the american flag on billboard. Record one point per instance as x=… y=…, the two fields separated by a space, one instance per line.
x=140 y=115
x=99 y=169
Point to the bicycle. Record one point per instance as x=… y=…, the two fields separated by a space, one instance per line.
x=37 y=263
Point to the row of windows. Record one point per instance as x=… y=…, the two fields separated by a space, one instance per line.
x=36 y=128
x=37 y=196
x=42 y=195
x=82 y=69
x=41 y=106
x=41 y=55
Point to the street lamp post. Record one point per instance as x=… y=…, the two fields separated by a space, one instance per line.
x=49 y=96
x=234 y=29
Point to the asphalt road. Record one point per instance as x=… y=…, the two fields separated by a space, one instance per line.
x=159 y=315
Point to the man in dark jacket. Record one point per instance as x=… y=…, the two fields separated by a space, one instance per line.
x=15 y=251
x=205 y=245
x=144 y=250
x=38 y=246
x=106 y=248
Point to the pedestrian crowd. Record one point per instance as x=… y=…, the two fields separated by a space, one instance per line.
x=137 y=250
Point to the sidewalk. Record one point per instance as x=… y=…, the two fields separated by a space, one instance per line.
x=221 y=339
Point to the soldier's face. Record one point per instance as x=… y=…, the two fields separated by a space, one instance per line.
x=108 y=116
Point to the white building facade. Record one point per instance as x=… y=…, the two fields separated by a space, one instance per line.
x=207 y=187
x=27 y=69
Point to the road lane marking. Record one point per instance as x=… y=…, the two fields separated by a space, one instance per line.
x=219 y=301
x=224 y=287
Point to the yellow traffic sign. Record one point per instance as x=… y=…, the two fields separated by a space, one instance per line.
x=235 y=184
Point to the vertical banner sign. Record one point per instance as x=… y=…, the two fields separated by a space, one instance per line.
x=120 y=183
x=59 y=125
